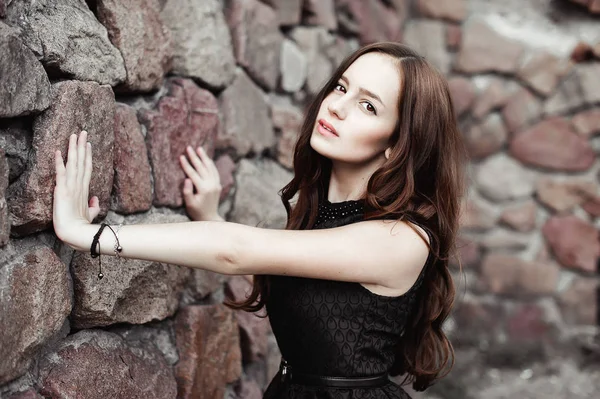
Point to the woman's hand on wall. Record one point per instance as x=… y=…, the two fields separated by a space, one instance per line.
x=72 y=206
x=203 y=176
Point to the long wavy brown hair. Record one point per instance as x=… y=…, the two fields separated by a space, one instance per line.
x=422 y=181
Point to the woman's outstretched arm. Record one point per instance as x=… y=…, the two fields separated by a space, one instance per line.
x=372 y=252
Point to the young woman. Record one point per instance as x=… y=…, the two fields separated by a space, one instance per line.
x=357 y=286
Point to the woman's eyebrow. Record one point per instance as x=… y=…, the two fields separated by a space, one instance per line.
x=364 y=91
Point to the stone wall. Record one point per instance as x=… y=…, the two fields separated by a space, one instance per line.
x=146 y=78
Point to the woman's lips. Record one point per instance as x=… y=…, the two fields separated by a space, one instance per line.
x=326 y=129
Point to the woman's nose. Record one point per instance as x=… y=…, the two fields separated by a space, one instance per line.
x=337 y=108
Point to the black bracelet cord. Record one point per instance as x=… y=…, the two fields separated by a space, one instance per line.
x=96 y=242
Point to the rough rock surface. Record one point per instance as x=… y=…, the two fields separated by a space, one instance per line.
x=188 y=115
x=24 y=87
x=247 y=126
x=256 y=201
x=35 y=300
x=201 y=40
x=132 y=186
x=209 y=347
x=4 y=220
x=16 y=136
x=500 y=178
x=137 y=30
x=253 y=329
x=132 y=291
x=454 y=10
x=574 y=242
x=76 y=106
x=553 y=144
x=428 y=38
x=126 y=371
x=288 y=121
x=68 y=39
x=485 y=50
x=256 y=39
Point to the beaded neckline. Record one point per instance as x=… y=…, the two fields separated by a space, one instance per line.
x=337 y=210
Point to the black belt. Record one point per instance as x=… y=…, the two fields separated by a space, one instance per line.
x=328 y=381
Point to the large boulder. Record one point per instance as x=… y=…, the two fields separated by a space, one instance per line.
x=209 y=351
x=136 y=29
x=76 y=106
x=132 y=189
x=96 y=364
x=35 y=301
x=202 y=46
x=24 y=87
x=256 y=39
x=247 y=125
x=68 y=39
x=256 y=200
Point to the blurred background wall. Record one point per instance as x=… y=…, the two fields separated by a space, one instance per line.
x=146 y=78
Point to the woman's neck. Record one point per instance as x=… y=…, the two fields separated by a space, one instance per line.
x=349 y=182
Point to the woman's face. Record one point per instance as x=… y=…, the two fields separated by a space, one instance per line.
x=356 y=119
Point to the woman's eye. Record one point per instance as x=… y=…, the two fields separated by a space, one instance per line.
x=340 y=88
x=370 y=108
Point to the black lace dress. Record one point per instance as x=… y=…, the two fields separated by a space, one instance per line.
x=334 y=328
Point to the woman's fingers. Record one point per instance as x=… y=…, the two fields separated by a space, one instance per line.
x=81 y=153
x=208 y=162
x=190 y=172
x=198 y=164
x=71 y=168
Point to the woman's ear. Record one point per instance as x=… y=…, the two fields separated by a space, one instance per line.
x=387 y=153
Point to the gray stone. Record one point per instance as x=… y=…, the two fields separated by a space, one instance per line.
x=567 y=97
x=501 y=178
x=132 y=187
x=76 y=106
x=287 y=119
x=95 y=364
x=293 y=67
x=428 y=38
x=253 y=329
x=554 y=145
x=373 y=21
x=15 y=138
x=247 y=126
x=483 y=49
x=132 y=291
x=66 y=37
x=136 y=29
x=24 y=86
x=4 y=220
x=453 y=10
x=589 y=79
x=288 y=11
x=320 y=13
x=503 y=239
x=256 y=40
x=35 y=300
x=487 y=137
x=201 y=41
x=313 y=41
x=256 y=200
x=209 y=351
x=156 y=335
x=542 y=72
